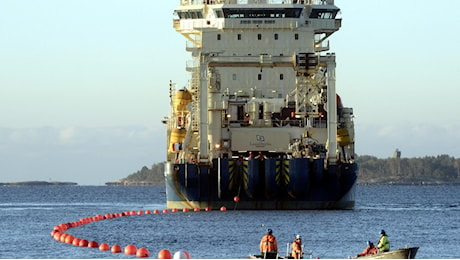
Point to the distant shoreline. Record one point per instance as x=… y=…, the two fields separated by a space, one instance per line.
x=37 y=183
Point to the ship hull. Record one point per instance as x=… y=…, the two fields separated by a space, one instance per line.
x=254 y=184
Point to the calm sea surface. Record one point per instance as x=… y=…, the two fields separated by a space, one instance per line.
x=423 y=216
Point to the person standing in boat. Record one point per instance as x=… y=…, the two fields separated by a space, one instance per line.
x=296 y=248
x=370 y=250
x=269 y=246
x=384 y=243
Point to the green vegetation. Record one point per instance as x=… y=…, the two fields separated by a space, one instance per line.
x=441 y=169
x=144 y=176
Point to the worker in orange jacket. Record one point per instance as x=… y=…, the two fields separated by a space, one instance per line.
x=296 y=248
x=370 y=250
x=269 y=246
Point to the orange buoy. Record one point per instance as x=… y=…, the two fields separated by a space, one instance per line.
x=104 y=247
x=54 y=231
x=63 y=226
x=236 y=199
x=58 y=228
x=164 y=254
x=83 y=243
x=63 y=236
x=185 y=210
x=223 y=208
x=57 y=236
x=93 y=244
x=181 y=255
x=76 y=241
x=130 y=250
x=69 y=239
x=142 y=252
x=116 y=249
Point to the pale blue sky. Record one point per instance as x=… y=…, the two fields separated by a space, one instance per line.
x=84 y=84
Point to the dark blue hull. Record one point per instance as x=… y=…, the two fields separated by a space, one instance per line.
x=273 y=183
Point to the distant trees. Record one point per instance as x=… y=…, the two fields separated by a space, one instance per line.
x=429 y=169
x=145 y=176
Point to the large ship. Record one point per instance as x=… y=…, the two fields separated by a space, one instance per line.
x=259 y=124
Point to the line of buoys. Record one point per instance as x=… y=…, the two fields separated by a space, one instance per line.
x=59 y=234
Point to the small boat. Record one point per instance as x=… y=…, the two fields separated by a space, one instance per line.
x=401 y=253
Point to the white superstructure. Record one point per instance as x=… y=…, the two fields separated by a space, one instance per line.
x=259 y=82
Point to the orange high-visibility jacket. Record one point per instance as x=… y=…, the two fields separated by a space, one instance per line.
x=296 y=251
x=268 y=244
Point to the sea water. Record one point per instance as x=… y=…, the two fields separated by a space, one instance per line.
x=424 y=216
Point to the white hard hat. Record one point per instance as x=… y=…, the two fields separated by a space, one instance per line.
x=298 y=237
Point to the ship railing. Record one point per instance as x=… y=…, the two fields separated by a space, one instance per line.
x=192 y=64
x=251 y=2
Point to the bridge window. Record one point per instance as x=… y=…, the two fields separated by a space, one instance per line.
x=320 y=13
x=261 y=13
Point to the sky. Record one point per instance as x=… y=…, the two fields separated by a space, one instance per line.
x=84 y=84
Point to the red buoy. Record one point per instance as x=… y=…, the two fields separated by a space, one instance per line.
x=63 y=227
x=174 y=210
x=76 y=241
x=130 y=250
x=223 y=208
x=165 y=211
x=69 y=239
x=148 y=211
x=185 y=210
x=156 y=211
x=196 y=209
x=164 y=254
x=116 y=249
x=140 y=212
x=93 y=244
x=142 y=252
x=236 y=199
x=83 y=243
x=63 y=236
x=57 y=236
x=207 y=209
x=104 y=247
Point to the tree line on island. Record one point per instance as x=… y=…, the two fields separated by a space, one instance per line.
x=428 y=170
